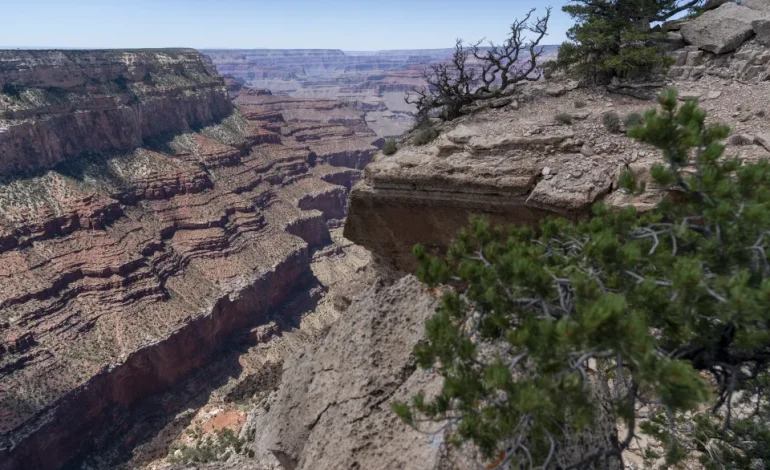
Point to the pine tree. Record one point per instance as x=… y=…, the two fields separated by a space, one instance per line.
x=614 y=37
x=670 y=307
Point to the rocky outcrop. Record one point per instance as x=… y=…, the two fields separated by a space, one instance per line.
x=721 y=30
x=333 y=407
x=729 y=42
x=505 y=165
x=517 y=164
x=130 y=250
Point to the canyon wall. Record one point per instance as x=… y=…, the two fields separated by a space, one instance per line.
x=143 y=220
x=59 y=104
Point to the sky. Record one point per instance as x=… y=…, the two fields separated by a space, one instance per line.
x=244 y=24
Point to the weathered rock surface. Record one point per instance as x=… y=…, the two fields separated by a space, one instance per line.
x=761 y=5
x=134 y=246
x=518 y=166
x=333 y=407
x=490 y=165
x=721 y=30
x=730 y=42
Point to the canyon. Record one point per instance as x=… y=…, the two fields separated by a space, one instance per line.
x=193 y=242
x=372 y=81
x=145 y=218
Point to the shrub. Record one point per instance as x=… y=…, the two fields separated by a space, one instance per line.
x=390 y=147
x=424 y=133
x=563 y=118
x=11 y=90
x=611 y=121
x=579 y=103
x=209 y=448
x=633 y=119
x=672 y=306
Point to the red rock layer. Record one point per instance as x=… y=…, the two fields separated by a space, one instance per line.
x=122 y=272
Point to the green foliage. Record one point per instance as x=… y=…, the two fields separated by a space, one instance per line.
x=424 y=133
x=633 y=119
x=390 y=147
x=611 y=121
x=613 y=38
x=580 y=103
x=11 y=90
x=563 y=118
x=670 y=307
x=206 y=448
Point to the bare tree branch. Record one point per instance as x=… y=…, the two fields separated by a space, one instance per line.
x=472 y=72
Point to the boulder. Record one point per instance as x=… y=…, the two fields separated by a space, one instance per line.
x=674 y=25
x=500 y=102
x=762 y=30
x=740 y=139
x=555 y=90
x=461 y=135
x=763 y=140
x=674 y=40
x=760 y=5
x=721 y=30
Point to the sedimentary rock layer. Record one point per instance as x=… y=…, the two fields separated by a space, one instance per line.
x=512 y=164
x=131 y=251
x=58 y=104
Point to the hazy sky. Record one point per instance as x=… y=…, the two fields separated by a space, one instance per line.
x=337 y=24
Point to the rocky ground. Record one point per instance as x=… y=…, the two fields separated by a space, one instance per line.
x=547 y=152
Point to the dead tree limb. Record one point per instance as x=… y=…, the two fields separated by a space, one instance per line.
x=473 y=72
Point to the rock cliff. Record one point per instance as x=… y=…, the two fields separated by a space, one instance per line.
x=517 y=164
x=143 y=221
x=59 y=104
x=333 y=407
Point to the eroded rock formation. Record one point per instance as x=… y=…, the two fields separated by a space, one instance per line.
x=143 y=220
x=518 y=164
x=333 y=407
x=728 y=42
